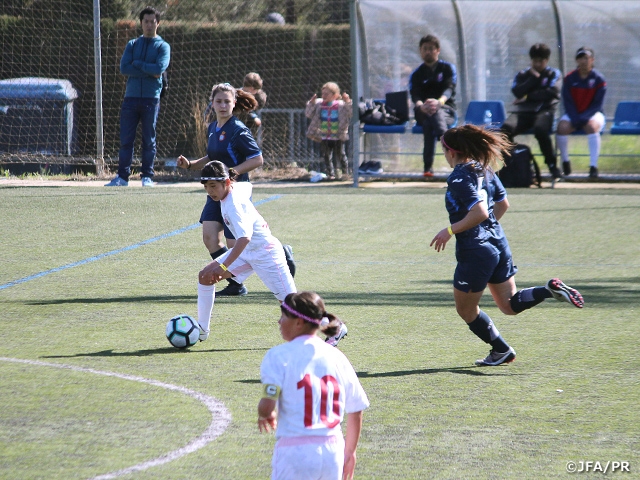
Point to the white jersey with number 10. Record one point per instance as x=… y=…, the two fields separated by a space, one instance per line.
x=318 y=386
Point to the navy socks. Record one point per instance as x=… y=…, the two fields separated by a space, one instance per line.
x=528 y=297
x=486 y=331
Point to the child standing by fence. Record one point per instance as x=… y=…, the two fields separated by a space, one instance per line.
x=330 y=117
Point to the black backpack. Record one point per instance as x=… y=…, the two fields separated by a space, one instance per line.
x=520 y=168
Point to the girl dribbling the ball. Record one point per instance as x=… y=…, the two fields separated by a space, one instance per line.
x=255 y=249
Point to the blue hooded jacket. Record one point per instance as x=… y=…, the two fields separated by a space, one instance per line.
x=143 y=61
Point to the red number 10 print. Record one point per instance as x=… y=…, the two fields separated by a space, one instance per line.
x=324 y=398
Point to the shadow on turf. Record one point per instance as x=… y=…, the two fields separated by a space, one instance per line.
x=474 y=371
x=154 y=351
x=470 y=370
x=149 y=298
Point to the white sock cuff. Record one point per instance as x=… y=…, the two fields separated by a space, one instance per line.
x=563 y=145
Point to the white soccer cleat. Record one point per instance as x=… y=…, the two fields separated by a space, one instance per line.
x=204 y=334
x=564 y=293
x=333 y=341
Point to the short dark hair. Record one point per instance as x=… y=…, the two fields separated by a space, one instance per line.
x=585 y=51
x=150 y=11
x=252 y=79
x=540 y=50
x=430 y=39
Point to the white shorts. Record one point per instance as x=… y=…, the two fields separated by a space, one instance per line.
x=269 y=263
x=597 y=117
x=308 y=458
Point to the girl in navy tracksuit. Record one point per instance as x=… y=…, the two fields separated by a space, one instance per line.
x=476 y=200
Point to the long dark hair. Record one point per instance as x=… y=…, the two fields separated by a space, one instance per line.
x=485 y=146
x=311 y=305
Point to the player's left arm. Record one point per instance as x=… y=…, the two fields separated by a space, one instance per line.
x=249 y=164
x=500 y=208
x=354 y=427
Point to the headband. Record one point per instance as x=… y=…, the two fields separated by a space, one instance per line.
x=447 y=146
x=316 y=321
x=217 y=179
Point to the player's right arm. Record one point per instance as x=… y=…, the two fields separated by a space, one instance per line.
x=267 y=418
x=198 y=164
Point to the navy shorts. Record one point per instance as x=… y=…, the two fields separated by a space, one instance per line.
x=476 y=268
x=212 y=213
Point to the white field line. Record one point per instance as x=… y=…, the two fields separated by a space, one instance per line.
x=220 y=416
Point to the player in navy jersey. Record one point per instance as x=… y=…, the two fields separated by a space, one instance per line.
x=476 y=200
x=583 y=93
x=232 y=143
x=433 y=87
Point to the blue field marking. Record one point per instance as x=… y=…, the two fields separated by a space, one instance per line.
x=120 y=250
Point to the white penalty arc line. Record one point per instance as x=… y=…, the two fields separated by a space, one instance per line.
x=220 y=416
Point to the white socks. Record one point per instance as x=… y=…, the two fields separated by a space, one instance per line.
x=594 y=148
x=206 y=296
x=563 y=145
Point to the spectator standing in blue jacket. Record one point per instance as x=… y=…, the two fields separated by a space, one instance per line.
x=583 y=97
x=537 y=92
x=144 y=60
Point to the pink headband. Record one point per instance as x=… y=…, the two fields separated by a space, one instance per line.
x=447 y=146
x=295 y=313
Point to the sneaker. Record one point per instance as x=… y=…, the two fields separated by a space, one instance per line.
x=288 y=254
x=375 y=167
x=495 y=358
x=204 y=334
x=333 y=341
x=364 y=167
x=555 y=172
x=563 y=293
x=117 y=182
x=593 y=172
x=317 y=177
x=428 y=173
x=566 y=168
x=147 y=182
x=233 y=290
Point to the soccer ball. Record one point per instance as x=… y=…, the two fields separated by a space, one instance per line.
x=182 y=331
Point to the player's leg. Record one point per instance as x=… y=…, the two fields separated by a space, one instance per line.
x=207 y=291
x=470 y=280
x=235 y=287
x=271 y=267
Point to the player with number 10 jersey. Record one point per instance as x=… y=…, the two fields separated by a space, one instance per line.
x=313 y=386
